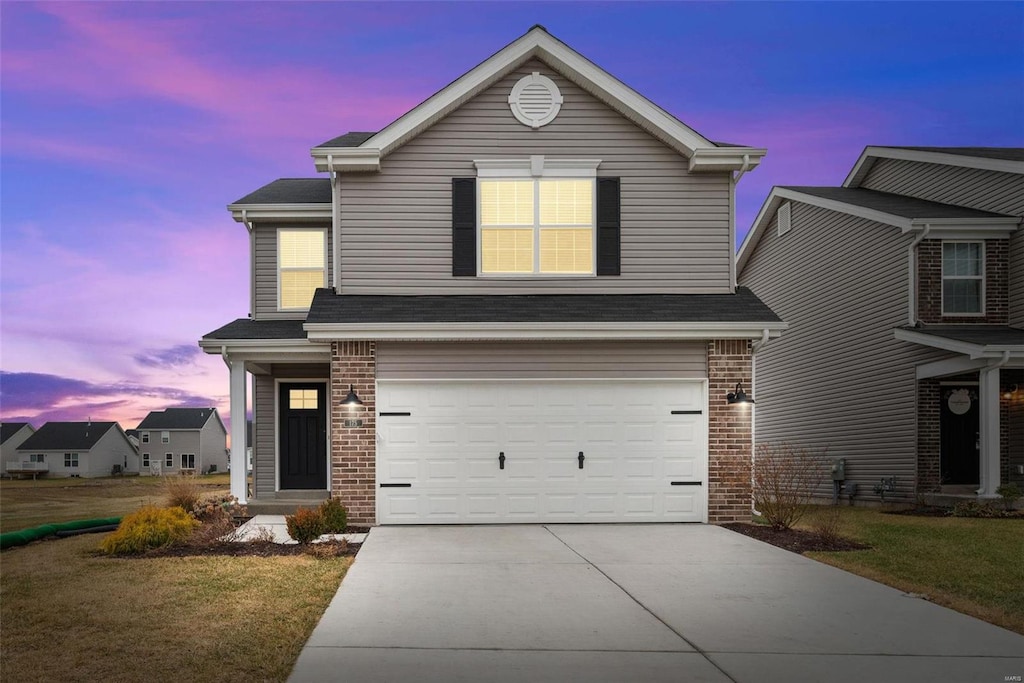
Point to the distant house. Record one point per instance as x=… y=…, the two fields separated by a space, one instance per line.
x=904 y=294
x=190 y=440
x=78 y=449
x=12 y=435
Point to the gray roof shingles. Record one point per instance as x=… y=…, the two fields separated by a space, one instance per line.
x=1005 y=153
x=176 y=418
x=742 y=306
x=291 y=191
x=982 y=335
x=9 y=429
x=245 y=328
x=351 y=139
x=898 y=205
x=55 y=436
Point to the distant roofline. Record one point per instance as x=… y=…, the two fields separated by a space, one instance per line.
x=950 y=156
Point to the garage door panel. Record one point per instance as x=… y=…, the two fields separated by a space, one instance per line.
x=447 y=448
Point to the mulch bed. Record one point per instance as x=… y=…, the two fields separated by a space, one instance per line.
x=794 y=540
x=258 y=549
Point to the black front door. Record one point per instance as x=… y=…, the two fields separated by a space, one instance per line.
x=303 y=435
x=959 y=420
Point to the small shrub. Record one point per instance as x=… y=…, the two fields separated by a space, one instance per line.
x=147 y=528
x=335 y=516
x=827 y=523
x=215 y=506
x=972 y=508
x=182 y=491
x=1010 y=494
x=306 y=525
x=323 y=551
x=785 y=478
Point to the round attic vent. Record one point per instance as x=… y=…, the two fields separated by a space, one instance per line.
x=535 y=100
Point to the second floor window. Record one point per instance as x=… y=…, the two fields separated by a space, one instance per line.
x=537 y=227
x=302 y=267
x=165 y=437
x=145 y=437
x=963 y=278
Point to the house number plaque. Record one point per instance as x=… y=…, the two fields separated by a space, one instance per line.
x=353 y=423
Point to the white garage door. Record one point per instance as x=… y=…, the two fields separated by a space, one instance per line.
x=541 y=451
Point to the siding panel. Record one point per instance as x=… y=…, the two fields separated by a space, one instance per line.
x=1015 y=286
x=837 y=379
x=675 y=226
x=974 y=188
x=537 y=360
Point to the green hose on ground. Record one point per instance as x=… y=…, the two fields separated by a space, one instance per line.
x=15 y=538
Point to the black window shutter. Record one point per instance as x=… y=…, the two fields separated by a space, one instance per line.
x=608 y=226
x=463 y=227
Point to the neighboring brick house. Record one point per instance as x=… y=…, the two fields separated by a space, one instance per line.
x=78 y=449
x=904 y=293
x=12 y=435
x=516 y=303
x=177 y=440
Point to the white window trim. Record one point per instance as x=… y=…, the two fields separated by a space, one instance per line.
x=71 y=460
x=37 y=457
x=145 y=459
x=168 y=459
x=165 y=437
x=536 y=168
x=942 y=279
x=278 y=264
x=182 y=461
x=144 y=437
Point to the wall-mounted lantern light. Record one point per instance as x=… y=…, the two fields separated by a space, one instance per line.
x=738 y=396
x=352 y=399
x=1010 y=391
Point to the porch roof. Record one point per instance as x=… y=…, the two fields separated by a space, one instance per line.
x=976 y=341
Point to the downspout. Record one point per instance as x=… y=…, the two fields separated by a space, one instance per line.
x=912 y=275
x=224 y=356
x=335 y=219
x=733 y=180
x=754 y=348
x=252 y=263
x=742 y=169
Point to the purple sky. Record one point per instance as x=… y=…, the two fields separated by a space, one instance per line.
x=127 y=127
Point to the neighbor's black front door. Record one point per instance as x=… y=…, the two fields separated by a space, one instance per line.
x=303 y=435
x=959 y=434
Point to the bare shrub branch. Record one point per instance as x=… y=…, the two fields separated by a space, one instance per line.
x=785 y=477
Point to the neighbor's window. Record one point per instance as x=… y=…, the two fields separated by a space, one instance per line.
x=145 y=437
x=302 y=399
x=71 y=460
x=302 y=266
x=145 y=459
x=168 y=459
x=537 y=226
x=963 y=280
x=188 y=461
x=165 y=437
x=37 y=457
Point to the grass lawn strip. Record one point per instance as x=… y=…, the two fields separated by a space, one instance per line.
x=971 y=565
x=69 y=614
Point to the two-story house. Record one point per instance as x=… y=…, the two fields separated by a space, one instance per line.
x=77 y=449
x=515 y=303
x=183 y=440
x=904 y=294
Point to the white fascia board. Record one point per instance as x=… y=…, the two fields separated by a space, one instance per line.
x=265 y=349
x=346 y=159
x=965 y=228
x=726 y=159
x=538 y=43
x=277 y=212
x=951 y=366
x=973 y=351
x=870 y=154
x=540 y=331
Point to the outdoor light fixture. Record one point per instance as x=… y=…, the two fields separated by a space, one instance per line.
x=738 y=396
x=1008 y=394
x=352 y=399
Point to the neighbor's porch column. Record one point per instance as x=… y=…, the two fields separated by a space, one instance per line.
x=988 y=424
x=238 y=460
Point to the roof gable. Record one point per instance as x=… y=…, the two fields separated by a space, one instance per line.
x=536 y=43
x=79 y=436
x=9 y=429
x=177 y=418
x=1005 y=159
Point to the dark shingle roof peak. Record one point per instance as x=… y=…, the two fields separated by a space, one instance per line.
x=291 y=191
x=9 y=429
x=896 y=204
x=350 y=139
x=1005 y=153
x=54 y=436
x=177 y=418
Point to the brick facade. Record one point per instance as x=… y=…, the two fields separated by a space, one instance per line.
x=929 y=284
x=354 y=449
x=730 y=445
x=929 y=466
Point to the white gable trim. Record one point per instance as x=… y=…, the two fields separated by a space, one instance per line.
x=948 y=228
x=536 y=43
x=871 y=154
x=280 y=212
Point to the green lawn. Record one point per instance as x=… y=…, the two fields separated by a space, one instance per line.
x=26 y=503
x=975 y=566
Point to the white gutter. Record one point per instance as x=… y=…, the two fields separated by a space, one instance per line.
x=742 y=169
x=912 y=274
x=335 y=227
x=224 y=356
x=754 y=348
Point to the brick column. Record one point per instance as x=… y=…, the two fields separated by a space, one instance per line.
x=929 y=472
x=354 y=449
x=730 y=446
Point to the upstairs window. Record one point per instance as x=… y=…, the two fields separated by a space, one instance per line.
x=145 y=437
x=963 y=278
x=302 y=267
x=165 y=437
x=537 y=227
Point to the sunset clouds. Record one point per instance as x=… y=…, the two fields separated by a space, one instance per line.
x=127 y=127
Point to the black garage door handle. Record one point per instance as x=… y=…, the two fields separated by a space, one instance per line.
x=580 y=458
x=396 y=486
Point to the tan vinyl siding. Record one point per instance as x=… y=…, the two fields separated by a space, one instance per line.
x=837 y=378
x=541 y=360
x=396 y=224
x=975 y=188
x=1015 y=286
x=266 y=270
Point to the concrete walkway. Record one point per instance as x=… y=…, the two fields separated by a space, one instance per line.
x=631 y=603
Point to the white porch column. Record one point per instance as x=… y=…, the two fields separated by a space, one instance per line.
x=988 y=423
x=238 y=459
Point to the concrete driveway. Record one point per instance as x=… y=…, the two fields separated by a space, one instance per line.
x=631 y=603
